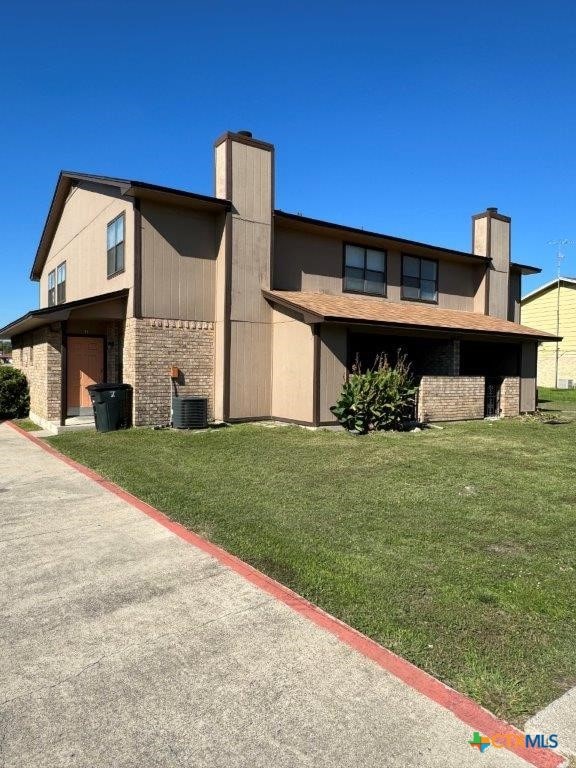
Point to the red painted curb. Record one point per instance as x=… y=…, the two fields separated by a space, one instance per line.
x=465 y=709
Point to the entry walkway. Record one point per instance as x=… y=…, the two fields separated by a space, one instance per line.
x=125 y=646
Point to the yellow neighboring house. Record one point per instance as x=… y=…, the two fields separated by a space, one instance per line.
x=552 y=307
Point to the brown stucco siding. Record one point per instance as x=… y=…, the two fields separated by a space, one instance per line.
x=151 y=347
x=38 y=355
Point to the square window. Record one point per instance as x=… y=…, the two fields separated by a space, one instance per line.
x=419 y=278
x=364 y=270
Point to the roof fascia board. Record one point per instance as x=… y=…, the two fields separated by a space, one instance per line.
x=525 y=269
x=48 y=312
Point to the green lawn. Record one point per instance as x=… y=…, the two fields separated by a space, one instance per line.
x=453 y=547
x=562 y=398
x=28 y=425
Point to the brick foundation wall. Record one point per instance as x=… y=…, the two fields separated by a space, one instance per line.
x=151 y=346
x=451 y=398
x=510 y=396
x=38 y=355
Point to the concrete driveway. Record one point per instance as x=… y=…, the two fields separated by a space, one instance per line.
x=124 y=645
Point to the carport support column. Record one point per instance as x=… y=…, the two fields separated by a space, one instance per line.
x=63 y=373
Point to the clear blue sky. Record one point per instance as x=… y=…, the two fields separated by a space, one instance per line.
x=405 y=118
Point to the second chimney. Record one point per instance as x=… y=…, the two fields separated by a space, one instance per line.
x=491 y=237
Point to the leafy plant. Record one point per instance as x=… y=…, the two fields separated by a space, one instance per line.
x=14 y=395
x=382 y=397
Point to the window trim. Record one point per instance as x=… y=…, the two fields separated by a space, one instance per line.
x=366 y=248
x=53 y=290
x=63 y=283
x=110 y=275
x=420 y=259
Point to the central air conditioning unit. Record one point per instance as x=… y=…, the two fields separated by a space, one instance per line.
x=189 y=412
x=565 y=383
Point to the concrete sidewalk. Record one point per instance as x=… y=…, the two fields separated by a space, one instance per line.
x=122 y=645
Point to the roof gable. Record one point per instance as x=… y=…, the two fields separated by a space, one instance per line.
x=568 y=282
x=127 y=188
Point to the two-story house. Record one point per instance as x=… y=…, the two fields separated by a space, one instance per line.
x=263 y=311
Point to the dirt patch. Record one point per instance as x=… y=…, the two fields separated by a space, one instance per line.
x=506 y=548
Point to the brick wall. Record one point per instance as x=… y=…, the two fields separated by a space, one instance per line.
x=38 y=355
x=151 y=346
x=510 y=396
x=451 y=398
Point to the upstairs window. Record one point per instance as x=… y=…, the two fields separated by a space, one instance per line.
x=419 y=279
x=115 y=246
x=61 y=283
x=364 y=270
x=52 y=288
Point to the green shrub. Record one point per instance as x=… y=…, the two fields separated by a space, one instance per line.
x=382 y=397
x=14 y=397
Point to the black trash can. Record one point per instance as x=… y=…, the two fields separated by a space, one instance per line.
x=112 y=405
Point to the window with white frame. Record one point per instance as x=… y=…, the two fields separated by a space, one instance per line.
x=52 y=288
x=61 y=283
x=115 y=245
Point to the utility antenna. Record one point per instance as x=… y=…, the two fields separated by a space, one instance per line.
x=559 y=244
x=560 y=255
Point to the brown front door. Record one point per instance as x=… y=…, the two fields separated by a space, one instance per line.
x=85 y=363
